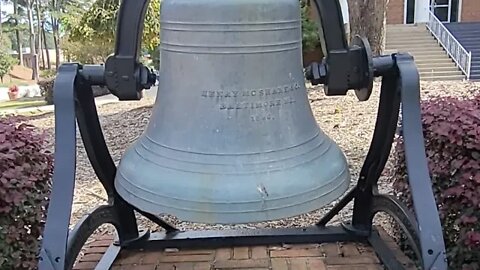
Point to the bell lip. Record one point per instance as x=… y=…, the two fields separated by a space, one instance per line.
x=237 y=218
x=235 y=210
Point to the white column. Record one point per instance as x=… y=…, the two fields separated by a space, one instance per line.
x=421 y=11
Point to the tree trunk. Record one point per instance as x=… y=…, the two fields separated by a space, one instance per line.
x=47 y=52
x=39 y=32
x=367 y=19
x=17 y=33
x=56 y=40
x=33 y=51
x=1 y=30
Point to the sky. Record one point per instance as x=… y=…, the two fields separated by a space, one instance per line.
x=7 y=8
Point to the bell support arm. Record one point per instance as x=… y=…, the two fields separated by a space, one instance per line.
x=355 y=68
x=344 y=67
x=74 y=101
x=124 y=75
x=401 y=85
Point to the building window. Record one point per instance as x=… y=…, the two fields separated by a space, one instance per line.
x=410 y=18
x=445 y=10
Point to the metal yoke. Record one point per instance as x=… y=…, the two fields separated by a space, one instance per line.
x=343 y=68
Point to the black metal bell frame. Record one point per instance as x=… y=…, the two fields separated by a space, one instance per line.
x=343 y=68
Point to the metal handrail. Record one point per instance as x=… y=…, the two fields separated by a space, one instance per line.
x=455 y=50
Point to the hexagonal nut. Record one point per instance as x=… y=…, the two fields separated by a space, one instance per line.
x=316 y=73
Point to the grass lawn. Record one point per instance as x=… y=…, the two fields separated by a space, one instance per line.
x=12 y=81
x=22 y=103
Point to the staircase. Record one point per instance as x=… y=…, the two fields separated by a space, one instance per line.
x=468 y=34
x=432 y=61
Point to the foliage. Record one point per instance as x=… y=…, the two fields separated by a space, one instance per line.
x=452 y=139
x=47 y=73
x=46 y=88
x=87 y=51
x=6 y=64
x=69 y=12
x=6 y=42
x=155 y=56
x=98 y=25
x=25 y=177
x=310 y=36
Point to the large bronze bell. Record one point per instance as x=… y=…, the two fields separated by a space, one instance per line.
x=232 y=138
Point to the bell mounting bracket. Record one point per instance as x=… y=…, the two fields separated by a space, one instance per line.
x=124 y=75
x=343 y=68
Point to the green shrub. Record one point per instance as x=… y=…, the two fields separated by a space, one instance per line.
x=46 y=88
x=48 y=73
x=6 y=64
x=310 y=35
x=25 y=178
x=452 y=139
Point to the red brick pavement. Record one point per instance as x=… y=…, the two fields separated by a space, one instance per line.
x=334 y=256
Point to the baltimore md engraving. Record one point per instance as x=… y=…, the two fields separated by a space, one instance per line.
x=260 y=102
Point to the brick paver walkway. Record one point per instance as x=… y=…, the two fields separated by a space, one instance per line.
x=333 y=256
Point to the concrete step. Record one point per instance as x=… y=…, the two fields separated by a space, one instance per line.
x=441 y=73
x=419 y=51
x=440 y=65
x=434 y=62
x=423 y=33
x=425 y=47
x=443 y=78
x=431 y=59
x=439 y=60
x=426 y=44
x=435 y=68
x=411 y=42
x=403 y=28
x=407 y=33
x=432 y=56
x=410 y=39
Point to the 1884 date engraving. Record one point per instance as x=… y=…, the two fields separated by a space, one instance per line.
x=259 y=102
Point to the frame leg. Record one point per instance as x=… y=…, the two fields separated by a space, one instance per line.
x=53 y=250
x=425 y=207
x=74 y=101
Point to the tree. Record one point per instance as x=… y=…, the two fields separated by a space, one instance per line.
x=310 y=33
x=16 y=18
x=6 y=44
x=33 y=51
x=38 y=43
x=367 y=18
x=97 y=26
x=6 y=64
x=1 y=19
x=61 y=13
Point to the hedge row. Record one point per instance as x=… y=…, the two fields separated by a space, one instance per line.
x=452 y=136
x=25 y=180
